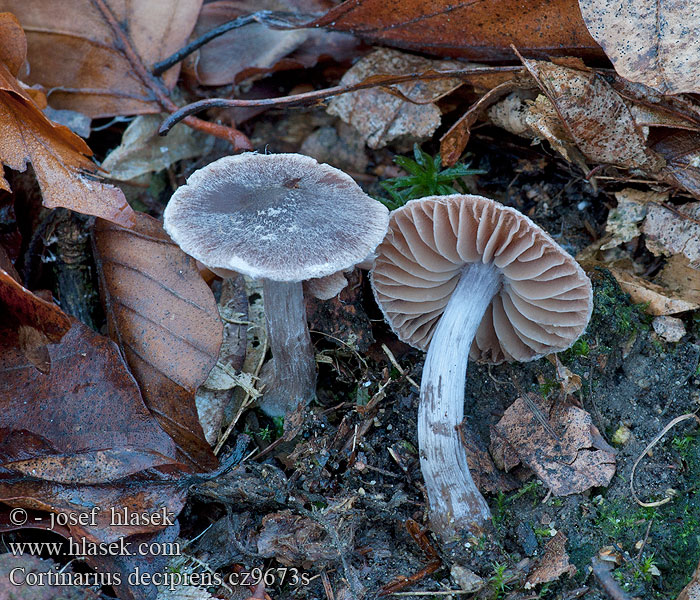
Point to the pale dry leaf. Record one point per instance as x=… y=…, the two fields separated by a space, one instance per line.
x=553 y=564
x=623 y=221
x=671 y=329
x=66 y=176
x=382 y=117
x=677 y=231
x=648 y=41
x=692 y=590
x=543 y=122
x=511 y=113
x=73 y=51
x=558 y=441
x=596 y=117
x=659 y=300
x=678 y=276
x=143 y=151
x=569 y=382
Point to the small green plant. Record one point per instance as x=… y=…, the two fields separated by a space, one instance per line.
x=580 y=349
x=425 y=178
x=499 y=581
x=647 y=568
x=683 y=445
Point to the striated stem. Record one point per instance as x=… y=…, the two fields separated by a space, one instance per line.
x=292 y=378
x=455 y=502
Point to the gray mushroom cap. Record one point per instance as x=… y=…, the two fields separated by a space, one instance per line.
x=545 y=299
x=282 y=217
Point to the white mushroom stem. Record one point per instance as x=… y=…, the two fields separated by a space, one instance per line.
x=455 y=502
x=291 y=381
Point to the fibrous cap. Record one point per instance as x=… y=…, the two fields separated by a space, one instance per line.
x=542 y=306
x=283 y=217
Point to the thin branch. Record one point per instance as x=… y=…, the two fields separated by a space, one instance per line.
x=653 y=443
x=157 y=87
x=272 y=19
x=318 y=95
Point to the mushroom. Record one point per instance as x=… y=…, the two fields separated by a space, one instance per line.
x=466 y=277
x=282 y=218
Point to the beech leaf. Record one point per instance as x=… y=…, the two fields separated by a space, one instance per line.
x=164 y=317
x=649 y=41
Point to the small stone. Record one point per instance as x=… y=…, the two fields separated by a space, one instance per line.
x=671 y=329
x=466 y=579
x=622 y=435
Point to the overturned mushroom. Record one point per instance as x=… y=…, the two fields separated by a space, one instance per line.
x=464 y=276
x=282 y=218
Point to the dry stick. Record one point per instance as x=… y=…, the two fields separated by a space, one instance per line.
x=398 y=367
x=157 y=87
x=273 y=19
x=653 y=443
x=318 y=95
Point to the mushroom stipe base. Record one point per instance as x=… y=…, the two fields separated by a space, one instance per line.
x=455 y=502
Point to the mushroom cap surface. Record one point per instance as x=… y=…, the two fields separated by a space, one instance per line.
x=283 y=217
x=542 y=306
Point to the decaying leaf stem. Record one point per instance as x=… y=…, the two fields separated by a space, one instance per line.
x=157 y=87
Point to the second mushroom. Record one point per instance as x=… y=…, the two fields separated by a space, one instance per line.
x=285 y=219
x=463 y=276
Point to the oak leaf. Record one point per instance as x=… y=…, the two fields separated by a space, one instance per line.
x=66 y=176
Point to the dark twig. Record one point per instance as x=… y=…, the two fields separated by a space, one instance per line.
x=318 y=95
x=157 y=87
x=274 y=20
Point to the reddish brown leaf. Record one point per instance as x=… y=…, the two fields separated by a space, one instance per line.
x=66 y=176
x=134 y=495
x=20 y=307
x=475 y=30
x=257 y=49
x=164 y=317
x=90 y=401
x=73 y=51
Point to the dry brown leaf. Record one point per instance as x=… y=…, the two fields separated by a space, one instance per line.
x=569 y=382
x=295 y=540
x=659 y=300
x=648 y=41
x=256 y=49
x=66 y=176
x=164 y=318
x=681 y=150
x=595 y=116
x=558 y=441
x=89 y=401
x=623 y=221
x=679 y=277
x=29 y=563
x=73 y=51
x=692 y=590
x=382 y=117
x=474 y=30
x=482 y=468
x=674 y=230
x=553 y=564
